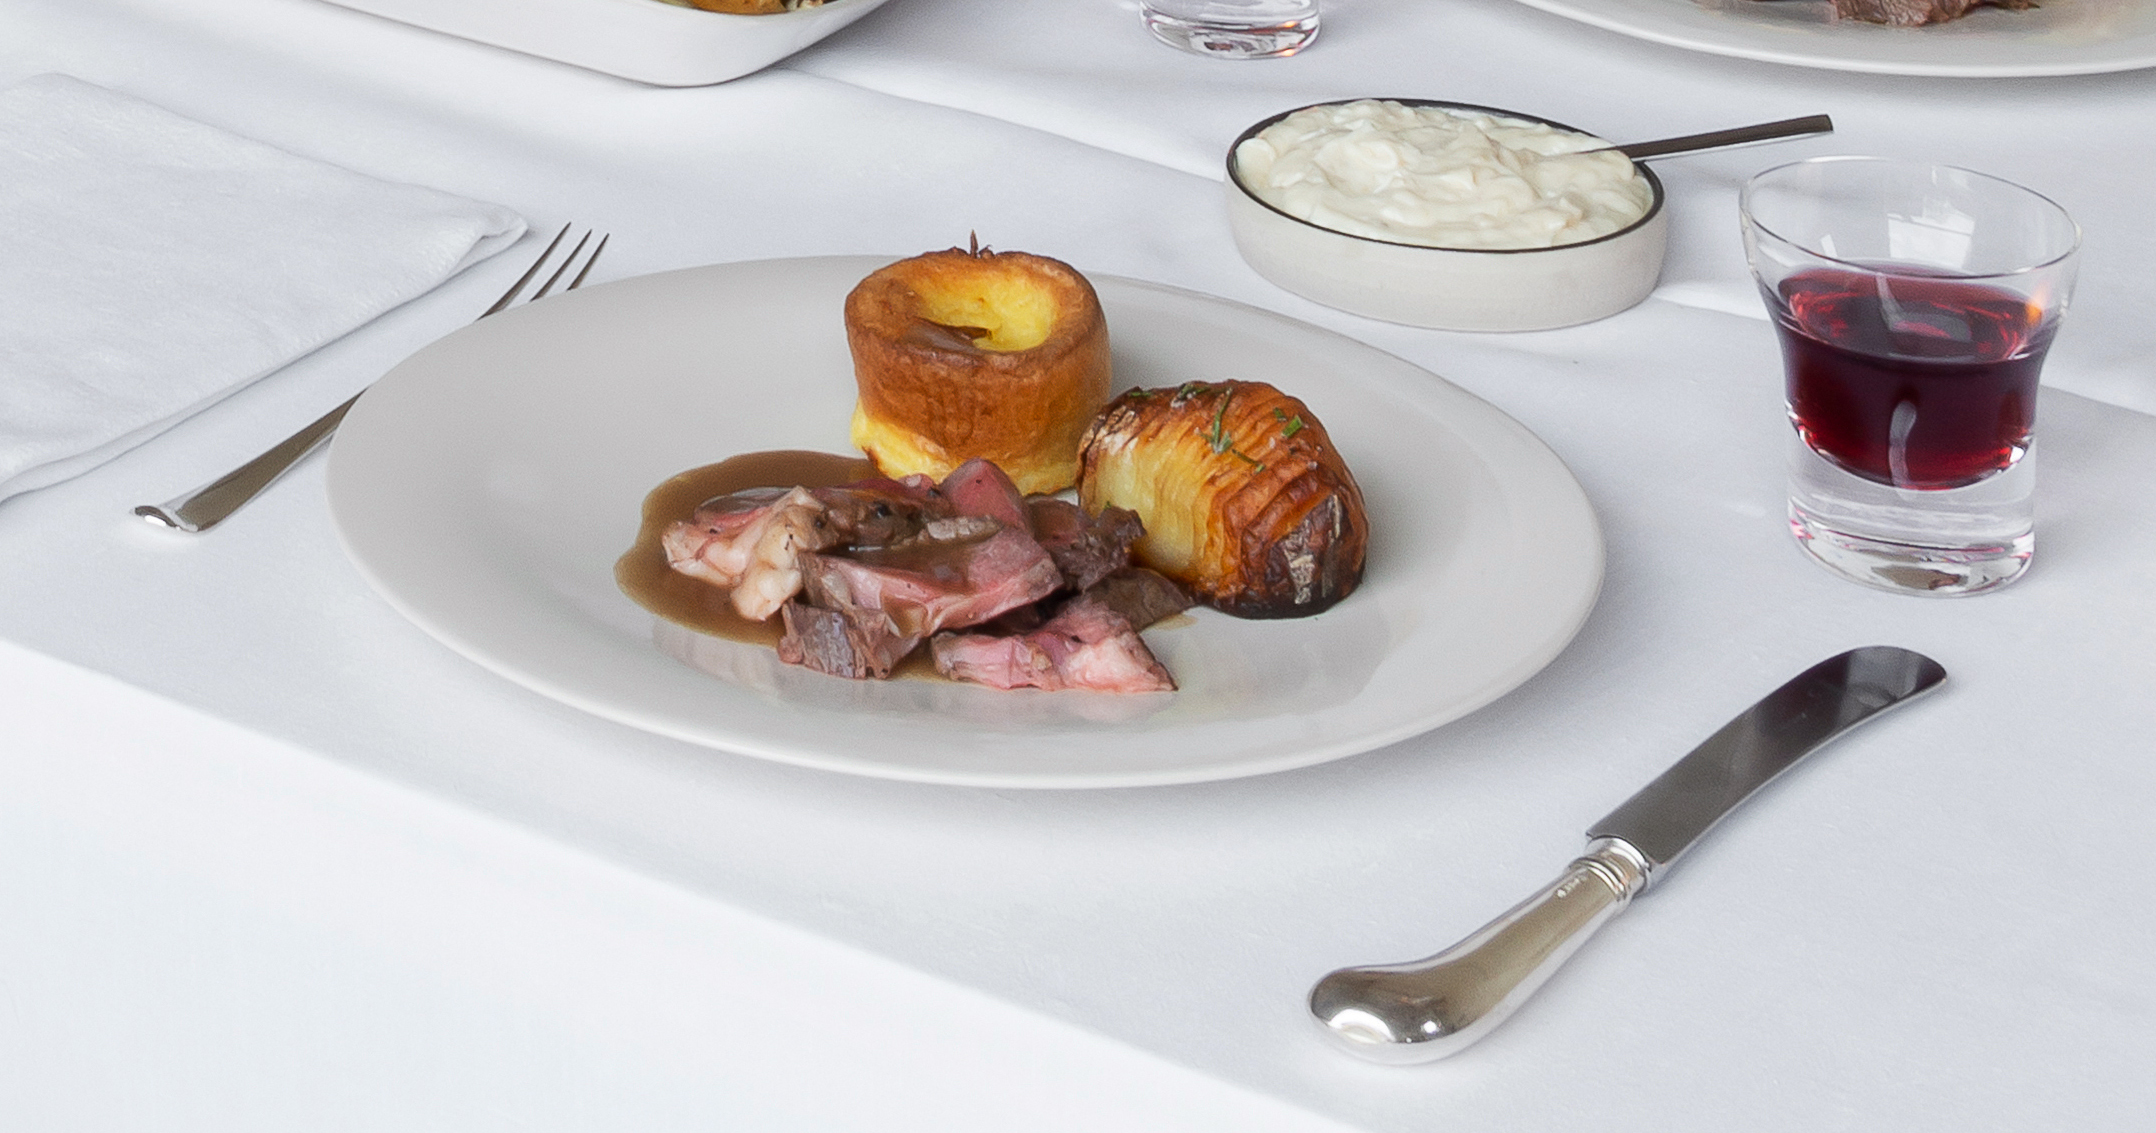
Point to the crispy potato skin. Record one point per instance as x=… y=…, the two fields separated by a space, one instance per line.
x=935 y=394
x=1245 y=499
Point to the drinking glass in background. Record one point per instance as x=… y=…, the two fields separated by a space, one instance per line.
x=1233 y=29
x=1914 y=303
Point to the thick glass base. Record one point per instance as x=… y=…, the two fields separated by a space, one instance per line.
x=1944 y=543
x=1223 y=37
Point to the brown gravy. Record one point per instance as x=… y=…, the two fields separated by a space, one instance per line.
x=643 y=574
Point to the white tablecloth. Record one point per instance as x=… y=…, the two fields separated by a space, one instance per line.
x=287 y=861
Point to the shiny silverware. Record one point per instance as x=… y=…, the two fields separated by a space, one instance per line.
x=1726 y=139
x=210 y=504
x=1432 y=1008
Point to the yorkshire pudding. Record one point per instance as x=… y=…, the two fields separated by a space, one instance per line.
x=961 y=354
x=1244 y=498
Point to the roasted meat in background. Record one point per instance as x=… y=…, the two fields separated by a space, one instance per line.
x=1916 y=13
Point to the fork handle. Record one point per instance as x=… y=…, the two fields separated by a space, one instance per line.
x=208 y=505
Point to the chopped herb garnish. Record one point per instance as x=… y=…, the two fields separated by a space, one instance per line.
x=1219 y=440
x=1294 y=426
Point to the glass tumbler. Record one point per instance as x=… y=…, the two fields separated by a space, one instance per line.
x=1914 y=303
x=1233 y=29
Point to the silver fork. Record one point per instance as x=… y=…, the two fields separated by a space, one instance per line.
x=210 y=504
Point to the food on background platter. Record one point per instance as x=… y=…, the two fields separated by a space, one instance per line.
x=746 y=7
x=1917 y=13
x=862 y=574
x=1243 y=497
x=965 y=354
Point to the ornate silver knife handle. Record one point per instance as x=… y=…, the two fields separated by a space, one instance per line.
x=1431 y=1008
x=1428 y=1009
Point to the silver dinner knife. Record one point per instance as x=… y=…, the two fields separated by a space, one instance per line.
x=1429 y=1009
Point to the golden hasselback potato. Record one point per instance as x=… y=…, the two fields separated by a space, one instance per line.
x=963 y=354
x=1244 y=498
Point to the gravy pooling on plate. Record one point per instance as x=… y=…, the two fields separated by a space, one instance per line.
x=643 y=573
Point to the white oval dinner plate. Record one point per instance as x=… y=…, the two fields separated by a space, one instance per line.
x=488 y=484
x=2059 y=37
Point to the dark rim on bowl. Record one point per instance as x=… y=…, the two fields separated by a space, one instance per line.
x=1235 y=176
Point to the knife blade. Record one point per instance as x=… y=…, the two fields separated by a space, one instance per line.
x=1438 y=1006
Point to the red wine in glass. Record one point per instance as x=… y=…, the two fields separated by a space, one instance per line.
x=1910 y=380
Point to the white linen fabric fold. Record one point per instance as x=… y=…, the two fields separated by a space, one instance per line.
x=151 y=264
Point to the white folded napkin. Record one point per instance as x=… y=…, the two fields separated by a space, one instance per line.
x=151 y=264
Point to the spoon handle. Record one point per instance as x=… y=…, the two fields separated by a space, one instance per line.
x=1724 y=139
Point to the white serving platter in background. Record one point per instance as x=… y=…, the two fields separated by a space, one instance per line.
x=2059 y=37
x=645 y=40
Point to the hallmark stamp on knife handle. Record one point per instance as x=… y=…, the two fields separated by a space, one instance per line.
x=1431 y=1008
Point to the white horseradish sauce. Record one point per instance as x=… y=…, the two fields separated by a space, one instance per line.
x=1442 y=178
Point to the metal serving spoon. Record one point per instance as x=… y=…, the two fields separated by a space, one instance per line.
x=1727 y=139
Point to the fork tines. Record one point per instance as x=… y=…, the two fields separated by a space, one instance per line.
x=518 y=288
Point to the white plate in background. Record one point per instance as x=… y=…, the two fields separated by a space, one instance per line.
x=2062 y=37
x=644 y=40
x=487 y=485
